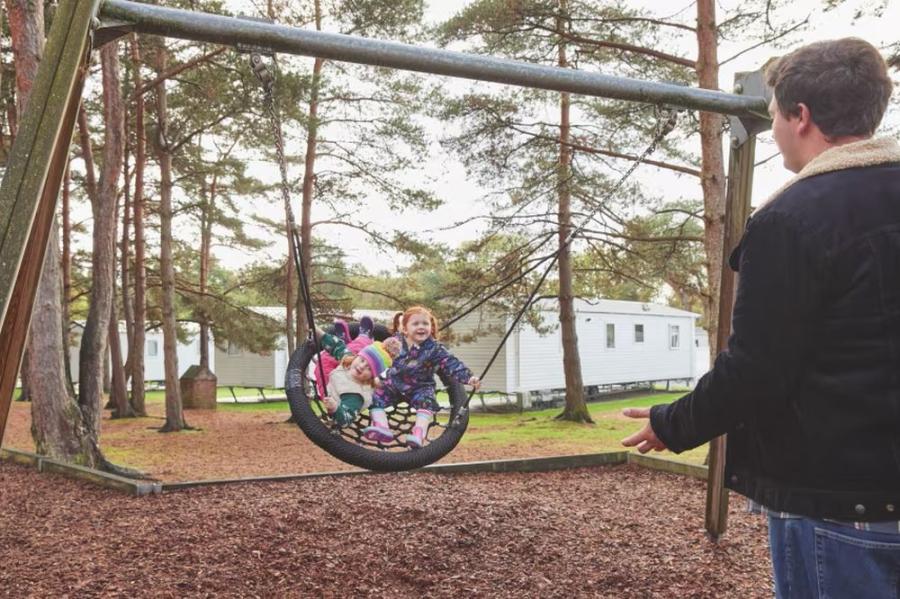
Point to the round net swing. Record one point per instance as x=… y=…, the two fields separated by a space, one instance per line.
x=347 y=443
x=448 y=426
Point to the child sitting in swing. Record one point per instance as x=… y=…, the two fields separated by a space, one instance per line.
x=350 y=368
x=411 y=378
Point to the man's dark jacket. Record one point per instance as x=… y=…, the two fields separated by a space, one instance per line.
x=809 y=387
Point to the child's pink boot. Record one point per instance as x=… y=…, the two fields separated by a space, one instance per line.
x=342 y=330
x=416 y=438
x=379 y=431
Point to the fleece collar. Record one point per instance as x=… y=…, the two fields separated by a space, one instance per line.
x=867 y=152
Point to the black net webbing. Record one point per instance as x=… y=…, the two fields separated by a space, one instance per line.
x=347 y=443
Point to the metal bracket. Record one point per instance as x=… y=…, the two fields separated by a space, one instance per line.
x=253 y=48
x=262 y=72
x=750 y=83
x=106 y=31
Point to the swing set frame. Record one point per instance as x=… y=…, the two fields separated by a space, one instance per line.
x=34 y=172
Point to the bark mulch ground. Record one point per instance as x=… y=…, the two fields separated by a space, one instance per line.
x=617 y=531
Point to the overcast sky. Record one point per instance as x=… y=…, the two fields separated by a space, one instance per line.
x=462 y=196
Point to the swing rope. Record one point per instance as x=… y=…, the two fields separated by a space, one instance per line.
x=665 y=124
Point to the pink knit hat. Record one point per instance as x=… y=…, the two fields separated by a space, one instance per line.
x=376 y=357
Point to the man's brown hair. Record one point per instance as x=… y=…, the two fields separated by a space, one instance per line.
x=844 y=83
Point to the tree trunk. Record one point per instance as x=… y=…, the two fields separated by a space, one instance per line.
x=119 y=387
x=205 y=251
x=308 y=180
x=712 y=168
x=59 y=428
x=67 y=276
x=118 y=394
x=576 y=409
x=26 y=27
x=136 y=351
x=127 y=308
x=174 y=411
x=26 y=31
x=96 y=329
x=3 y=141
x=57 y=423
x=24 y=394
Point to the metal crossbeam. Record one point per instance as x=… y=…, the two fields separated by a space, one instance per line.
x=123 y=15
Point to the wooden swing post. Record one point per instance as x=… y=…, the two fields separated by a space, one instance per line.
x=737 y=211
x=33 y=175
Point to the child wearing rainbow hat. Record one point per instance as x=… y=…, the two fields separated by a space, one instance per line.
x=349 y=386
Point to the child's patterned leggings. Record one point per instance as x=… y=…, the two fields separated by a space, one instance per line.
x=422 y=397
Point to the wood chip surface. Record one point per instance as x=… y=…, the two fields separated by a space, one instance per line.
x=618 y=531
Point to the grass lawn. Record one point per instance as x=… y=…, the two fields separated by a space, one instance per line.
x=254 y=438
x=158 y=395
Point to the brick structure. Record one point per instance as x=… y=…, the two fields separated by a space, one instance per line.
x=198 y=388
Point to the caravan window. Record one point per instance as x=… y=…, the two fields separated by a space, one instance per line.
x=610 y=335
x=152 y=348
x=674 y=342
x=638 y=333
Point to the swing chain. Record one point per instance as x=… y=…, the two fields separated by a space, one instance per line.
x=267 y=79
x=666 y=119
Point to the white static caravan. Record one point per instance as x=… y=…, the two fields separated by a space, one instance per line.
x=154 y=367
x=619 y=342
x=702 y=362
x=242 y=368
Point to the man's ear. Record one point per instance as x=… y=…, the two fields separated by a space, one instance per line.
x=804 y=118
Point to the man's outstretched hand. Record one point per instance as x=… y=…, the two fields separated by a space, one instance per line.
x=645 y=439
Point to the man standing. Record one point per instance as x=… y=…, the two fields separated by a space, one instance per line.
x=809 y=387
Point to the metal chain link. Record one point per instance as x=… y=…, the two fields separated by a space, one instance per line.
x=267 y=80
x=667 y=118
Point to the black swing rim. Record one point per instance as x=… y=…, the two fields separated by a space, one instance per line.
x=358 y=455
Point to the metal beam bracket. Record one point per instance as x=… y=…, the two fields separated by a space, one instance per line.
x=245 y=48
x=108 y=30
x=750 y=83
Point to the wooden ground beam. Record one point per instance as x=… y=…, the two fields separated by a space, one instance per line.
x=30 y=187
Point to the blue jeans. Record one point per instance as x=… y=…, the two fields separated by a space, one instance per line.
x=815 y=558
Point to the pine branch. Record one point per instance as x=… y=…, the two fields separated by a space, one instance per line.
x=179 y=69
